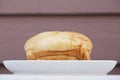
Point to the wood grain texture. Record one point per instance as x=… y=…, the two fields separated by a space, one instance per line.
x=59 y=6
x=104 y=31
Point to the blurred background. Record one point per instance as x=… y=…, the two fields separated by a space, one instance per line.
x=97 y=19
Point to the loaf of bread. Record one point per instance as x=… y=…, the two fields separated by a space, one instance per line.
x=58 y=45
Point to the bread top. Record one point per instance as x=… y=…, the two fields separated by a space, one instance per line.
x=57 y=41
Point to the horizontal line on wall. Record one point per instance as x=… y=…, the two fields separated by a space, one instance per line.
x=64 y=14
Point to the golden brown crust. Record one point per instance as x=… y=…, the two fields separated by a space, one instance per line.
x=60 y=57
x=58 y=45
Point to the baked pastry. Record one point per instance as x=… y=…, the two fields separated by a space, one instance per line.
x=58 y=45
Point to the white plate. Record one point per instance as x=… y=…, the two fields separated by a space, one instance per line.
x=80 y=67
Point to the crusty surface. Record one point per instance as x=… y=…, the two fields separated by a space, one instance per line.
x=52 y=43
x=59 y=55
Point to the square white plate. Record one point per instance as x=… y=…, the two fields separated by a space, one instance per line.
x=74 y=67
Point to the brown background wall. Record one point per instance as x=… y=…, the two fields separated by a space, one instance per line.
x=104 y=31
x=98 y=19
